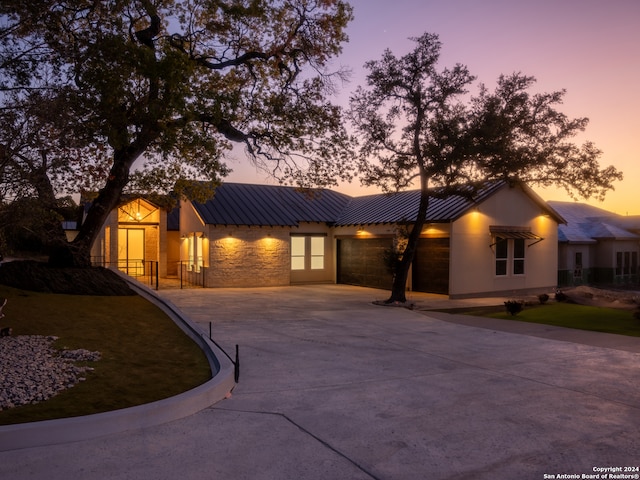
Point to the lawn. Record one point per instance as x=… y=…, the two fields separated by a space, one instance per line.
x=582 y=317
x=145 y=355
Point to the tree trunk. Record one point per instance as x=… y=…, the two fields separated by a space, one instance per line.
x=78 y=252
x=399 y=286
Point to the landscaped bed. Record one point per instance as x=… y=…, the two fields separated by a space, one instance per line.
x=585 y=309
x=143 y=354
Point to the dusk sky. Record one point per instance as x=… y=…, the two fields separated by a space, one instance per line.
x=591 y=48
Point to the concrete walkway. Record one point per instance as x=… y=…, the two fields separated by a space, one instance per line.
x=333 y=387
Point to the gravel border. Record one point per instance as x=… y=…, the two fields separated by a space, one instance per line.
x=32 y=370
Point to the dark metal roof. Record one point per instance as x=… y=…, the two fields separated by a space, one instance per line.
x=274 y=205
x=173 y=219
x=403 y=206
x=504 y=231
x=270 y=205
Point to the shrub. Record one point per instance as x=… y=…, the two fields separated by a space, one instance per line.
x=561 y=296
x=542 y=298
x=513 y=306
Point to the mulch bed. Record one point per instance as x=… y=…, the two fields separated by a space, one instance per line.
x=40 y=277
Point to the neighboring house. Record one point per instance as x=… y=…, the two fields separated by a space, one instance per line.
x=596 y=246
x=502 y=242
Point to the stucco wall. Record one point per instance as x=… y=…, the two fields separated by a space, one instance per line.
x=189 y=219
x=472 y=259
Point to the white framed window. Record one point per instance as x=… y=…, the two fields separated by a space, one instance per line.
x=509 y=256
x=502 y=255
x=518 y=256
x=196 y=259
x=308 y=252
x=317 y=253
x=298 y=251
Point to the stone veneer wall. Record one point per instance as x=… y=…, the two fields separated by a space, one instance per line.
x=248 y=257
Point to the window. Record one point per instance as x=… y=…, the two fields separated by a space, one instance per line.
x=307 y=252
x=195 y=251
x=518 y=256
x=510 y=254
x=297 y=253
x=626 y=263
x=317 y=253
x=619 y=263
x=502 y=253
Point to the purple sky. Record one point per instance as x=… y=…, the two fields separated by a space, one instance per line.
x=591 y=48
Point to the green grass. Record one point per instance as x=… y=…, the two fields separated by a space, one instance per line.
x=145 y=356
x=581 y=317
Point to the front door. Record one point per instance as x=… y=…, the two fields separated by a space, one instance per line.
x=131 y=251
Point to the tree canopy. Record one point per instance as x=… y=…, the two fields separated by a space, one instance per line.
x=95 y=86
x=418 y=124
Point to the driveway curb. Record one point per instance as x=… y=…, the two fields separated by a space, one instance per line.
x=51 y=432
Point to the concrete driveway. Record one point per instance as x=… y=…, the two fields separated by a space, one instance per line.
x=333 y=387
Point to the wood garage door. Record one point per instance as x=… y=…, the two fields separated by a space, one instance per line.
x=361 y=262
x=431 y=266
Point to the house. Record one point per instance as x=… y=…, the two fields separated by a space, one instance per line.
x=502 y=241
x=596 y=246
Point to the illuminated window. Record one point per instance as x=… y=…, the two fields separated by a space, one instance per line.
x=307 y=252
x=317 y=253
x=196 y=260
x=297 y=253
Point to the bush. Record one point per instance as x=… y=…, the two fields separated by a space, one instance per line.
x=543 y=298
x=561 y=296
x=513 y=306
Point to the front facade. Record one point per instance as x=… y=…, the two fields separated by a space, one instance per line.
x=134 y=239
x=502 y=242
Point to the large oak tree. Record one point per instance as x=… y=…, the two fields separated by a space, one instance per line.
x=418 y=125
x=174 y=83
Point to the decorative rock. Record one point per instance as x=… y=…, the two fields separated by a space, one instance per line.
x=32 y=371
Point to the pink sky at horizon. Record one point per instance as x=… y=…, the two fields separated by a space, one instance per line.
x=591 y=48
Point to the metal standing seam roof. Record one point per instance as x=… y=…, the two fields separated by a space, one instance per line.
x=275 y=205
x=403 y=206
x=270 y=205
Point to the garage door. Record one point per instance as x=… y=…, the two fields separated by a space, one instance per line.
x=431 y=266
x=361 y=262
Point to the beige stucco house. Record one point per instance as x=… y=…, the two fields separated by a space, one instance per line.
x=501 y=241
